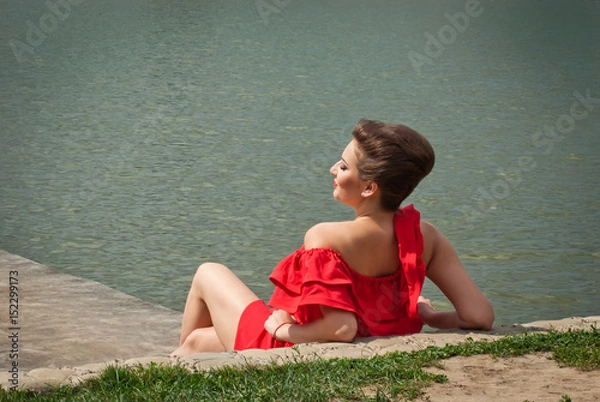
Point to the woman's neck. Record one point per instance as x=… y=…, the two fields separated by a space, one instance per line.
x=374 y=212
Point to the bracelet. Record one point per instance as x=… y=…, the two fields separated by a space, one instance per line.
x=276 y=329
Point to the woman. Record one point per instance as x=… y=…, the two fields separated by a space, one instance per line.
x=349 y=279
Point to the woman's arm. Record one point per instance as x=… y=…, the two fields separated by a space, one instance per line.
x=335 y=326
x=472 y=309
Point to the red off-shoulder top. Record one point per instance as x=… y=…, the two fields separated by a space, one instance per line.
x=308 y=279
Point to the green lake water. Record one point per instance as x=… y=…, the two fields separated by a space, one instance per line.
x=139 y=139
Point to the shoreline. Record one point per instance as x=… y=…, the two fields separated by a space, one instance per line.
x=66 y=329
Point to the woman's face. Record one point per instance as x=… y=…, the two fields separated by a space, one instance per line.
x=347 y=185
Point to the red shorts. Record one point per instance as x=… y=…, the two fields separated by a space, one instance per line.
x=251 y=333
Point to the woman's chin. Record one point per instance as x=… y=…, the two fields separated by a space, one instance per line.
x=338 y=199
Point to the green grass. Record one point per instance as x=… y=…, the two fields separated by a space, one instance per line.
x=394 y=376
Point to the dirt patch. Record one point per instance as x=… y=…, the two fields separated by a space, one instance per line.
x=533 y=377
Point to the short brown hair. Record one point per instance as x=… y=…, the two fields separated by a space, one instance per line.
x=394 y=156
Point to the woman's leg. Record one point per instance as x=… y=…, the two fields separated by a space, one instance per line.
x=216 y=299
x=200 y=340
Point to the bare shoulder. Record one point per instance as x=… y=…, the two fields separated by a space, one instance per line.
x=326 y=235
x=431 y=239
x=436 y=245
x=429 y=231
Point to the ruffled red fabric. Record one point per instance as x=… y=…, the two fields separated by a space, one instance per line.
x=384 y=306
x=308 y=279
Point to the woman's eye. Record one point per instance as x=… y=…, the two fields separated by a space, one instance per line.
x=343 y=167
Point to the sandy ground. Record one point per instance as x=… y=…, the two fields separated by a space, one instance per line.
x=69 y=329
x=532 y=377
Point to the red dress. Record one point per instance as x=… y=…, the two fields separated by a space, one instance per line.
x=307 y=279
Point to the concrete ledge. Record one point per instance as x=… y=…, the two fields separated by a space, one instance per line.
x=64 y=320
x=46 y=378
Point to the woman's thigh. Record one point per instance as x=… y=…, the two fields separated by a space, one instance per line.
x=226 y=297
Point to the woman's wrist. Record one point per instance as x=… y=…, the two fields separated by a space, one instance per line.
x=279 y=327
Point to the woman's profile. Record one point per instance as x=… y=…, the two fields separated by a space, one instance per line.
x=349 y=279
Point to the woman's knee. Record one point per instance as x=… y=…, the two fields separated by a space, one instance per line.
x=194 y=339
x=221 y=285
x=208 y=273
x=201 y=340
x=208 y=269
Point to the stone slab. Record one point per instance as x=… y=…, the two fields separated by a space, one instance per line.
x=64 y=320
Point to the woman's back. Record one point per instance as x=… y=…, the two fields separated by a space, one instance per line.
x=368 y=245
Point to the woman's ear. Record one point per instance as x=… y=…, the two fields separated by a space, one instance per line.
x=370 y=189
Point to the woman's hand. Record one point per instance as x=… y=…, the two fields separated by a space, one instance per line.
x=276 y=320
x=425 y=309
